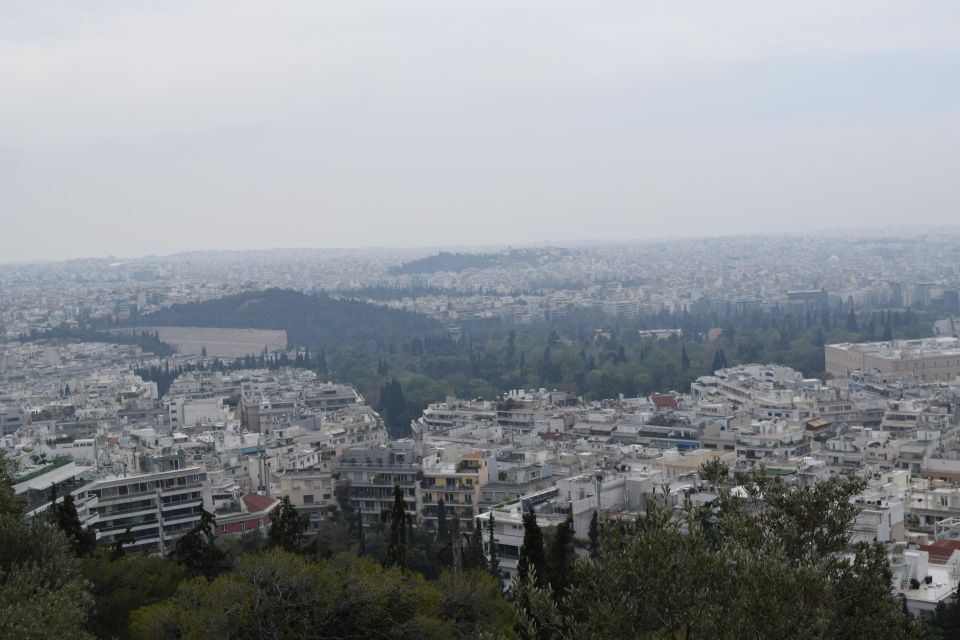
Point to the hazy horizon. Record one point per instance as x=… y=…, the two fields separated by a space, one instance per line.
x=158 y=128
x=879 y=233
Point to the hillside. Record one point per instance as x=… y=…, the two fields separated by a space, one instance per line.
x=309 y=320
x=455 y=262
x=445 y=261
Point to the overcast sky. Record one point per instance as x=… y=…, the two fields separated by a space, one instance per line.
x=136 y=127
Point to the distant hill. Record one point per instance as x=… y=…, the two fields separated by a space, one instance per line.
x=445 y=261
x=309 y=320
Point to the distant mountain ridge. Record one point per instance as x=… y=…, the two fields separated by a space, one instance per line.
x=309 y=320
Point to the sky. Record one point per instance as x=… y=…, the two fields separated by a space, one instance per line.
x=157 y=126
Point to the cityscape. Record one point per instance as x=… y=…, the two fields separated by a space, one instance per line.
x=151 y=427
x=480 y=320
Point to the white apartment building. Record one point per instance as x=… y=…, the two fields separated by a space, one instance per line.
x=157 y=508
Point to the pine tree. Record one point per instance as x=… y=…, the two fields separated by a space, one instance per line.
x=397 y=548
x=684 y=359
x=65 y=516
x=287 y=526
x=197 y=549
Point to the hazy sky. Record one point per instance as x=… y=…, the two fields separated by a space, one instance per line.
x=148 y=126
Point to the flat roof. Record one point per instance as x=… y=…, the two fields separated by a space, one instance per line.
x=54 y=476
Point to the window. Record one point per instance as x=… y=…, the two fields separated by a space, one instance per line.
x=308 y=498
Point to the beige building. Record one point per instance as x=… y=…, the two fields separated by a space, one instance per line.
x=672 y=464
x=926 y=359
x=458 y=484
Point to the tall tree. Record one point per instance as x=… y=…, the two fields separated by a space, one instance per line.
x=784 y=545
x=443 y=531
x=474 y=557
x=532 y=553
x=287 y=526
x=393 y=408
x=65 y=516
x=493 y=562
x=42 y=594
x=197 y=549
x=594 y=535
x=361 y=536
x=561 y=557
x=397 y=547
x=852 y=325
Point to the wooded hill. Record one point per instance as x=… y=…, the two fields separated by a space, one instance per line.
x=314 y=320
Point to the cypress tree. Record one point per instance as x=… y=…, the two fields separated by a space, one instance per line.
x=474 y=556
x=362 y=548
x=397 y=548
x=494 y=557
x=561 y=558
x=594 y=535
x=532 y=553
x=443 y=531
x=852 y=325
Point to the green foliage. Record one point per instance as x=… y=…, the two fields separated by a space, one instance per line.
x=308 y=319
x=394 y=410
x=149 y=342
x=474 y=557
x=280 y=595
x=10 y=503
x=122 y=585
x=65 y=517
x=945 y=624
x=715 y=471
x=397 y=548
x=532 y=554
x=42 y=594
x=594 y=535
x=777 y=570
x=472 y=602
x=493 y=557
x=444 y=261
x=443 y=531
x=287 y=526
x=560 y=558
x=197 y=549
